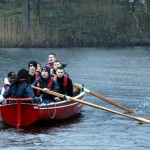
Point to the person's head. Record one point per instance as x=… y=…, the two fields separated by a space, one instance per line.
x=45 y=72
x=23 y=74
x=11 y=76
x=51 y=57
x=60 y=72
x=32 y=66
x=38 y=67
x=57 y=64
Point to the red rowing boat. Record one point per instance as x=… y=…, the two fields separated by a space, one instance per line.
x=24 y=114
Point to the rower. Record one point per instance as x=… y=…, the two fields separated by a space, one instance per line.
x=57 y=63
x=46 y=83
x=64 y=82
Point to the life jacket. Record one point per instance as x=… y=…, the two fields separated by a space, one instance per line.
x=50 y=82
x=36 y=75
x=6 y=86
x=65 y=82
x=49 y=64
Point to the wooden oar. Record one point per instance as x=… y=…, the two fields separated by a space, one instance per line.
x=103 y=98
x=142 y=120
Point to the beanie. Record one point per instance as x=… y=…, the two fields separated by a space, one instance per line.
x=32 y=63
x=46 y=68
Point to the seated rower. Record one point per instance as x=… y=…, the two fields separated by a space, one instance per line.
x=57 y=63
x=64 y=82
x=21 y=88
x=46 y=83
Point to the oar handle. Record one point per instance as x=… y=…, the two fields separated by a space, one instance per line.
x=103 y=98
x=48 y=92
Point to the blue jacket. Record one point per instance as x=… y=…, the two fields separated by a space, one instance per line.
x=21 y=89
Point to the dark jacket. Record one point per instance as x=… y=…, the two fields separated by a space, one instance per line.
x=44 y=84
x=20 y=89
x=69 y=89
x=34 y=77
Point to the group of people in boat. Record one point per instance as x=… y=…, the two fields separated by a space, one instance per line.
x=51 y=76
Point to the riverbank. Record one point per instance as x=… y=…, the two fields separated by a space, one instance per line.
x=65 y=23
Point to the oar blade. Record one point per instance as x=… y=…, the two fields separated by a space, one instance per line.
x=143 y=120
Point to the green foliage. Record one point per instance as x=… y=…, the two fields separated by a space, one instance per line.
x=75 y=23
x=2 y=1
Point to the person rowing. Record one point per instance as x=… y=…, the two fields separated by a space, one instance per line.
x=46 y=83
x=57 y=63
x=64 y=82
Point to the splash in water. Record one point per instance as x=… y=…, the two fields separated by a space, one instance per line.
x=144 y=107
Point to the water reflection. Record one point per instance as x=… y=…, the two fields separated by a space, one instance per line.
x=50 y=126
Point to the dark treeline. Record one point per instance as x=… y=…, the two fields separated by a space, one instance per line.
x=74 y=23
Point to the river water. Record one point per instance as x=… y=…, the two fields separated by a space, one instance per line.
x=120 y=74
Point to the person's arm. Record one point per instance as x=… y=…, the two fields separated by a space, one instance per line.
x=56 y=89
x=7 y=92
x=2 y=91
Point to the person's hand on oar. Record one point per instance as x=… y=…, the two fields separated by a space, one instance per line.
x=45 y=89
x=102 y=97
x=57 y=99
x=142 y=120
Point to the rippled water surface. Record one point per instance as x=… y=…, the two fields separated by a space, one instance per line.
x=120 y=74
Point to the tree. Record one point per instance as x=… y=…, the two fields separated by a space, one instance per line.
x=36 y=6
x=26 y=15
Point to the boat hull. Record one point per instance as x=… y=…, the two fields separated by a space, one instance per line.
x=24 y=114
x=27 y=115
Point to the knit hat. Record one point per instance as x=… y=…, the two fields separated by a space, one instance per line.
x=46 y=68
x=11 y=75
x=32 y=63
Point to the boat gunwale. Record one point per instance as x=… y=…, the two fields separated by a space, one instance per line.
x=60 y=104
x=52 y=103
